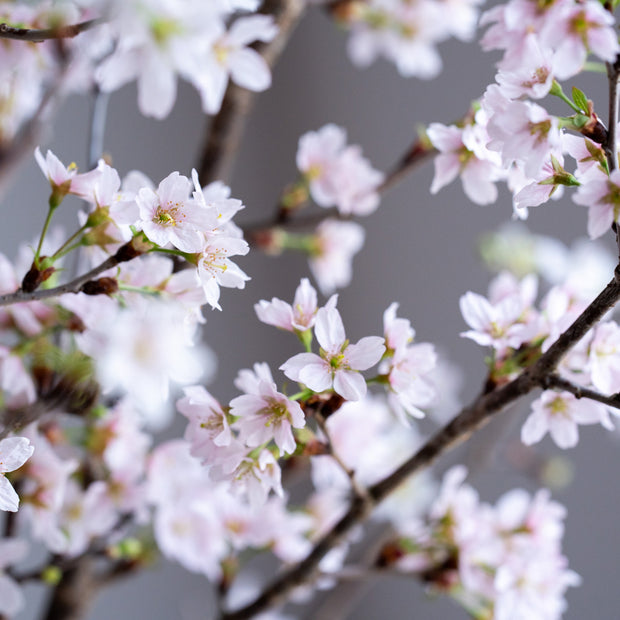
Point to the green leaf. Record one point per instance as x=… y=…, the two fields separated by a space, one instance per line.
x=580 y=99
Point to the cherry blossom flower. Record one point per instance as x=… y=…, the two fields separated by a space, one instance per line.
x=61 y=178
x=338 y=174
x=208 y=423
x=560 y=414
x=14 y=452
x=12 y=600
x=168 y=215
x=335 y=243
x=504 y=321
x=582 y=28
x=601 y=194
x=604 y=357
x=533 y=76
x=230 y=53
x=339 y=364
x=265 y=414
x=524 y=132
x=462 y=151
x=215 y=268
x=298 y=317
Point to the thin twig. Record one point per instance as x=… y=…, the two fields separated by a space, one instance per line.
x=611 y=143
x=557 y=382
x=226 y=128
x=70 y=287
x=37 y=35
x=415 y=156
x=458 y=430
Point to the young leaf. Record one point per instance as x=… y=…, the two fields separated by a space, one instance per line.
x=580 y=99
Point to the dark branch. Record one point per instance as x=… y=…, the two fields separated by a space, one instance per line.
x=70 y=287
x=458 y=430
x=557 y=382
x=226 y=128
x=38 y=35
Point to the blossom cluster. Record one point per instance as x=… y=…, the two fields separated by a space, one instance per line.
x=150 y=41
x=518 y=330
x=513 y=139
x=405 y=33
x=503 y=561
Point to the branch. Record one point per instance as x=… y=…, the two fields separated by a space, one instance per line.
x=75 y=286
x=38 y=35
x=226 y=128
x=415 y=156
x=557 y=382
x=458 y=430
x=74 y=595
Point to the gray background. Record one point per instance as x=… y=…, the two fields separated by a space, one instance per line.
x=419 y=251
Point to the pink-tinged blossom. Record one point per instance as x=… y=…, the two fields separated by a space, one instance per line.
x=406 y=34
x=101 y=187
x=523 y=132
x=407 y=367
x=208 y=425
x=28 y=317
x=339 y=364
x=84 y=515
x=43 y=489
x=504 y=320
x=559 y=414
x=257 y=477
x=155 y=42
x=338 y=174
x=12 y=599
x=462 y=151
x=549 y=183
x=586 y=153
x=265 y=414
x=215 y=197
x=298 y=317
x=230 y=54
x=169 y=215
x=317 y=154
x=14 y=452
x=17 y=386
x=582 y=27
x=398 y=332
x=215 y=269
x=60 y=177
x=503 y=561
x=139 y=351
x=335 y=244
x=601 y=194
x=604 y=358
x=533 y=76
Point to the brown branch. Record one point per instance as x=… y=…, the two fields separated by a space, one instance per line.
x=37 y=35
x=415 y=156
x=75 y=286
x=458 y=430
x=557 y=382
x=74 y=595
x=226 y=128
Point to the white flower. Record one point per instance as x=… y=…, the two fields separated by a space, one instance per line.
x=339 y=364
x=14 y=452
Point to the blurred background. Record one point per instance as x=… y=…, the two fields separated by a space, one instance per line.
x=420 y=250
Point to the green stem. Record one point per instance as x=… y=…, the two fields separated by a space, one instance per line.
x=60 y=252
x=46 y=224
x=187 y=256
x=556 y=90
x=595 y=67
